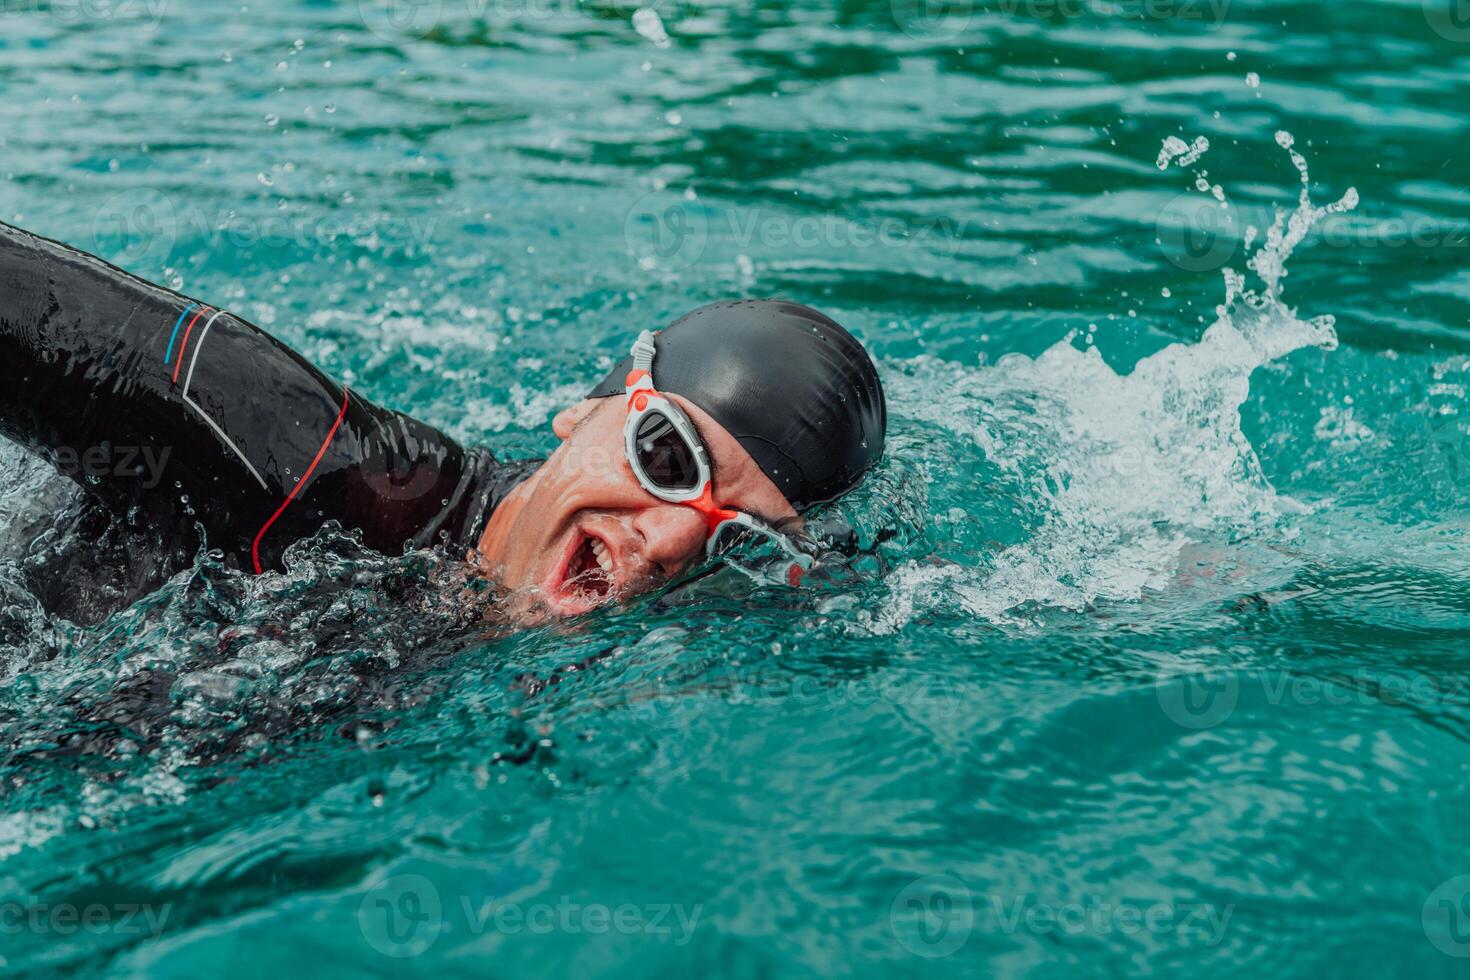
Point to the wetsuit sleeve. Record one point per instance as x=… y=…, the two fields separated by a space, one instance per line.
x=196 y=417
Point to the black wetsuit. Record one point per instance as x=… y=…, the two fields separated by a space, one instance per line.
x=179 y=412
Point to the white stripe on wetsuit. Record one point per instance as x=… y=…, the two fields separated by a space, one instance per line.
x=198 y=344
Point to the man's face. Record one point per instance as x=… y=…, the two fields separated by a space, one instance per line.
x=581 y=531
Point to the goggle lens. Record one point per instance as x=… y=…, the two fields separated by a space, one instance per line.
x=730 y=536
x=667 y=463
x=666 y=459
x=757 y=550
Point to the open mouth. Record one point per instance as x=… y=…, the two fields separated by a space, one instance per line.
x=587 y=580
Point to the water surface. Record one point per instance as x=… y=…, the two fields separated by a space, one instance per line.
x=1160 y=664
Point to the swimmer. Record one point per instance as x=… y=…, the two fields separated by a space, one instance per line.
x=712 y=437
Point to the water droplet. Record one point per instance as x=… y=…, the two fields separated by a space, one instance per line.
x=648 y=23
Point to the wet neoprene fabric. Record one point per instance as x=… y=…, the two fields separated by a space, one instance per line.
x=104 y=370
x=795 y=389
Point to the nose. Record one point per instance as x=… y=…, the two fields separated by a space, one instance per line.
x=673 y=535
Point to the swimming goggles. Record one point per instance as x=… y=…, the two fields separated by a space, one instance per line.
x=671 y=463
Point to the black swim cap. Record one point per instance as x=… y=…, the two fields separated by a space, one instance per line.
x=796 y=390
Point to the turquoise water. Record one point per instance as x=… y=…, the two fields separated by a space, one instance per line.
x=1160 y=666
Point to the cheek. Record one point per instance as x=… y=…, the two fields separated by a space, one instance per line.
x=592 y=459
x=521 y=549
x=532 y=539
x=597 y=465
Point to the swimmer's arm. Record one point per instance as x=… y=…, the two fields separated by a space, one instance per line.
x=154 y=400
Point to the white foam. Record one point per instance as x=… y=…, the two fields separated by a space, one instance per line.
x=1175 y=150
x=1124 y=470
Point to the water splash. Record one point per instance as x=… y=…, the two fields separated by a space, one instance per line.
x=1115 y=474
x=648 y=23
x=219 y=664
x=1285 y=234
x=1175 y=150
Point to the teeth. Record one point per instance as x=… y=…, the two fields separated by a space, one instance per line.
x=599 y=551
